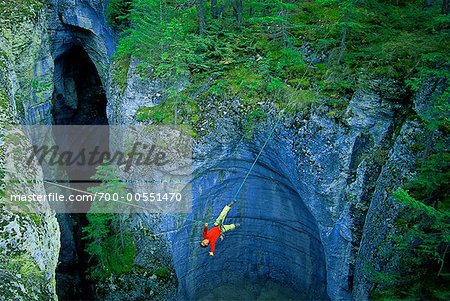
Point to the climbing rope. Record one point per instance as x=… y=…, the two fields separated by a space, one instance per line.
x=262 y=148
x=254 y=162
x=122 y=202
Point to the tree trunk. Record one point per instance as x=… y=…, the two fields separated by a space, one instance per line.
x=201 y=17
x=176 y=113
x=445 y=7
x=241 y=12
x=427 y=4
x=214 y=9
x=238 y=7
x=343 y=38
x=284 y=36
x=443 y=259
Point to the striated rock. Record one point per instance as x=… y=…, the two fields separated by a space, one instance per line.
x=82 y=23
x=278 y=240
x=26 y=65
x=332 y=163
x=375 y=247
x=302 y=208
x=29 y=232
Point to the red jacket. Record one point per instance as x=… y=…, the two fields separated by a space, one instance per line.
x=212 y=235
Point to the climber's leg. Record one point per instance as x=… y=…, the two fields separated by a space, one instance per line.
x=222 y=215
x=225 y=228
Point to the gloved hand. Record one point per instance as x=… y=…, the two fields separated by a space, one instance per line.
x=211 y=254
x=232 y=203
x=206 y=224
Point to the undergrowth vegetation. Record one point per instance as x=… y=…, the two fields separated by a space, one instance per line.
x=111 y=247
x=293 y=53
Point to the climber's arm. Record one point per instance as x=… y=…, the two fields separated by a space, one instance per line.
x=213 y=248
x=205 y=230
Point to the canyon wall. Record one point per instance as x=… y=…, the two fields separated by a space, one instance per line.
x=314 y=211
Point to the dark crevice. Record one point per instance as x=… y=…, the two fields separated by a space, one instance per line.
x=79 y=94
x=79 y=99
x=376 y=159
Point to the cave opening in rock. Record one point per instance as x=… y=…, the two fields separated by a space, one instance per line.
x=276 y=254
x=79 y=99
x=79 y=95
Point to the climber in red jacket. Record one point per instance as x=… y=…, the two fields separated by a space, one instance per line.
x=210 y=237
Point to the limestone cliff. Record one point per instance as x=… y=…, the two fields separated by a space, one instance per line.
x=317 y=202
x=314 y=211
x=29 y=242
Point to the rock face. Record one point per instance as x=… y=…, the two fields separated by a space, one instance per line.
x=278 y=241
x=36 y=40
x=383 y=210
x=29 y=234
x=313 y=212
x=26 y=64
x=338 y=163
x=81 y=47
x=297 y=208
x=307 y=206
x=82 y=23
x=29 y=242
x=375 y=247
x=138 y=91
x=319 y=194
